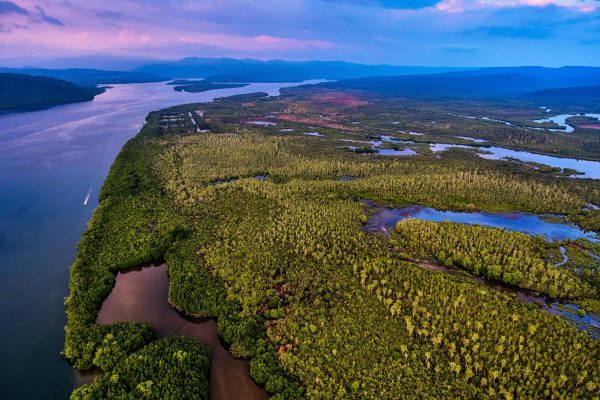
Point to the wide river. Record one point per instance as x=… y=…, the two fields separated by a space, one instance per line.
x=49 y=161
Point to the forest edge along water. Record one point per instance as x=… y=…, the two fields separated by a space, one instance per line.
x=140 y=294
x=50 y=160
x=384 y=218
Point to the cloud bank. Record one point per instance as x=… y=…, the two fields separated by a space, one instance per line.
x=411 y=32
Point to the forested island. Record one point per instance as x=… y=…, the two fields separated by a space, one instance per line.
x=262 y=218
x=196 y=86
x=20 y=92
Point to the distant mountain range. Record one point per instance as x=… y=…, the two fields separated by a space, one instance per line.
x=20 y=92
x=249 y=70
x=516 y=82
x=592 y=92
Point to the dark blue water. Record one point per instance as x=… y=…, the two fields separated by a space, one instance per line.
x=531 y=224
x=49 y=162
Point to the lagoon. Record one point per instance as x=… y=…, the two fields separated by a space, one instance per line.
x=531 y=224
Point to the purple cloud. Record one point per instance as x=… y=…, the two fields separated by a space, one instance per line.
x=8 y=7
x=46 y=18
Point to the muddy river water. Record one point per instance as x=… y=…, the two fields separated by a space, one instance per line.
x=141 y=295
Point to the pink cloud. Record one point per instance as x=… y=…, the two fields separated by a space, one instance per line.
x=450 y=6
x=126 y=35
x=261 y=42
x=131 y=36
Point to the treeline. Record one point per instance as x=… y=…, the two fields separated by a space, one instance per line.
x=184 y=85
x=173 y=368
x=133 y=225
x=514 y=258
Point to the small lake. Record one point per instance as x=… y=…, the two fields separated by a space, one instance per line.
x=561 y=120
x=141 y=295
x=387 y=218
x=262 y=123
x=376 y=144
x=471 y=139
x=590 y=169
x=316 y=134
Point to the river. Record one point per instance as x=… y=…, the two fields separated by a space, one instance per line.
x=589 y=169
x=50 y=161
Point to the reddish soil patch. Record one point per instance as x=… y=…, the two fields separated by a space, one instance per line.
x=338 y=99
x=589 y=126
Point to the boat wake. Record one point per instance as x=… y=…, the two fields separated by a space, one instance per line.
x=87 y=196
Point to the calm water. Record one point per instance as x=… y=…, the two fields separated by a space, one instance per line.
x=387 y=218
x=141 y=295
x=590 y=169
x=561 y=120
x=49 y=162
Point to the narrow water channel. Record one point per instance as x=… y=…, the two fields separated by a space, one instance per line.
x=384 y=219
x=141 y=295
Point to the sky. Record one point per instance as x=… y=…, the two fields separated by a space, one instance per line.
x=410 y=32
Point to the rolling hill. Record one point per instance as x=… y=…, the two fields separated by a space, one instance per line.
x=19 y=92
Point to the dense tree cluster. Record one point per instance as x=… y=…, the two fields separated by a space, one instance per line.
x=194 y=161
x=133 y=225
x=514 y=258
x=20 y=92
x=173 y=368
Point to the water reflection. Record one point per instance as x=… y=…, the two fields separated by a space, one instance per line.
x=590 y=169
x=386 y=218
